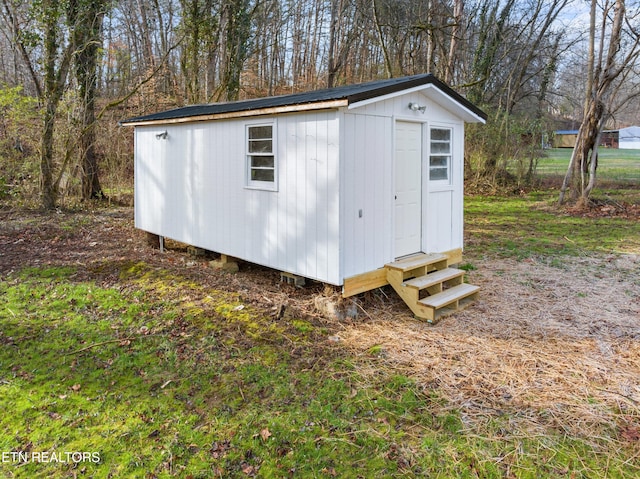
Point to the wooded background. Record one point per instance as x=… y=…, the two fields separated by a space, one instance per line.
x=70 y=69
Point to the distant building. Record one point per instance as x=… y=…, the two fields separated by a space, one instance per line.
x=610 y=138
x=564 y=138
x=629 y=138
x=624 y=138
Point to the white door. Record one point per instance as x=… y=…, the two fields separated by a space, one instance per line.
x=408 y=208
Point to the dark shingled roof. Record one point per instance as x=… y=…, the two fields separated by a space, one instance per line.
x=351 y=93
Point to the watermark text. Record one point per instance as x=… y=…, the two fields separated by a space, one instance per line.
x=64 y=457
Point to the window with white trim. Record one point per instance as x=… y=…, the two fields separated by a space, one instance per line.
x=261 y=160
x=440 y=154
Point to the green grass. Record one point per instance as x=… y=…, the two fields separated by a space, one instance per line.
x=527 y=226
x=157 y=385
x=153 y=375
x=613 y=164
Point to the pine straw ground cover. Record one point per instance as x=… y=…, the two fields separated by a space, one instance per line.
x=544 y=348
x=169 y=369
x=553 y=344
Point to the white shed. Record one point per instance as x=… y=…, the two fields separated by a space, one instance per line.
x=629 y=138
x=333 y=185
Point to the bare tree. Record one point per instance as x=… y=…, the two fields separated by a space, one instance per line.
x=611 y=55
x=505 y=56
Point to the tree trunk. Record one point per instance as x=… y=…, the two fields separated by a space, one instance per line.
x=88 y=40
x=592 y=170
x=237 y=32
x=48 y=190
x=190 y=61
x=458 y=9
x=52 y=93
x=334 y=30
x=580 y=178
x=385 y=52
x=91 y=188
x=583 y=155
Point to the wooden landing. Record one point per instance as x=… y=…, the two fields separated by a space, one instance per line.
x=417 y=261
x=429 y=287
x=377 y=278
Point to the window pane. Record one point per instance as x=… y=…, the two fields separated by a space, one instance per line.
x=262 y=162
x=440 y=134
x=260 y=146
x=442 y=161
x=438 y=174
x=440 y=147
x=262 y=175
x=260 y=132
x=260 y=158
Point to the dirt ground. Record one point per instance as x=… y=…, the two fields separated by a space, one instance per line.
x=548 y=344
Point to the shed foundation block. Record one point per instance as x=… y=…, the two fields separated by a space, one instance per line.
x=225 y=263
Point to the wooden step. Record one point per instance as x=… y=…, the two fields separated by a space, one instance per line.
x=451 y=295
x=417 y=261
x=431 y=279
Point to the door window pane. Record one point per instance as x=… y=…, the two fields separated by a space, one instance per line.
x=440 y=154
x=440 y=134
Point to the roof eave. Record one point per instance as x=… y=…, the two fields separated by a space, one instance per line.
x=445 y=97
x=292 y=108
x=463 y=108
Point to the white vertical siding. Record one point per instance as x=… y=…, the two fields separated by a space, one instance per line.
x=457 y=215
x=368 y=183
x=438 y=234
x=332 y=215
x=191 y=188
x=443 y=205
x=367 y=189
x=146 y=184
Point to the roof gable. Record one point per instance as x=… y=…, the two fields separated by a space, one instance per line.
x=313 y=100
